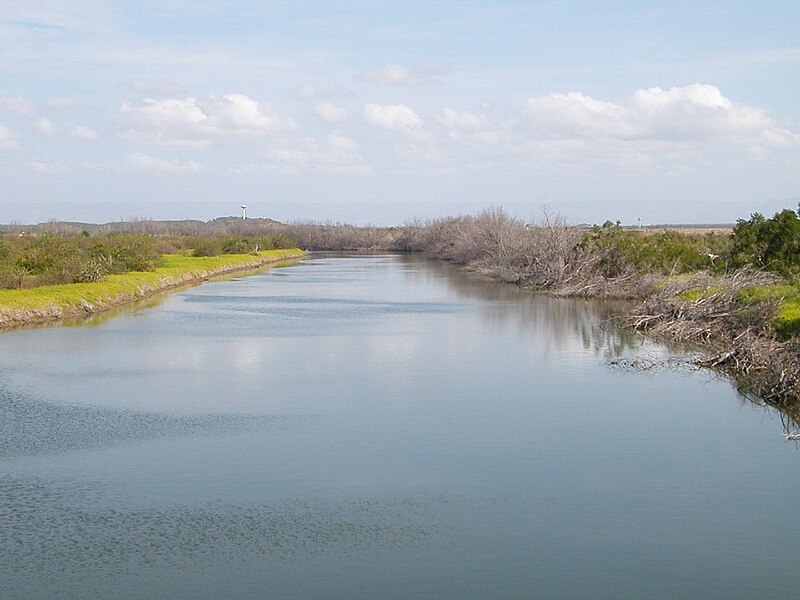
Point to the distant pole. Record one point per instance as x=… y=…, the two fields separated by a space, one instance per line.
x=244 y=212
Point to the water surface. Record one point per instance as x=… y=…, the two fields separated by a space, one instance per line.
x=380 y=427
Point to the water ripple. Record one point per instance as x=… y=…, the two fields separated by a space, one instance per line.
x=30 y=426
x=54 y=527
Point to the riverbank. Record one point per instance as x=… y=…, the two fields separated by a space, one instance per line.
x=747 y=323
x=55 y=302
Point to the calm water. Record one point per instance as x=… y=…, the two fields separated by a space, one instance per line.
x=380 y=427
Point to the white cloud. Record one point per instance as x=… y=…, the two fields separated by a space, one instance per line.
x=305 y=91
x=236 y=113
x=191 y=123
x=331 y=113
x=696 y=111
x=454 y=119
x=395 y=117
x=49 y=167
x=468 y=125
x=692 y=113
x=8 y=139
x=46 y=127
x=397 y=74
x=577 y=115
x=341 y=142
x=18 y=104
x=83 y=133
x=152 y=164
x=171 y=115
x=337 y=157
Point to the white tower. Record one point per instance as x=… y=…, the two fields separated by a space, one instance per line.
x=244 y=212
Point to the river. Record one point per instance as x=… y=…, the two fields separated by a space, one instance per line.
x=381 y=427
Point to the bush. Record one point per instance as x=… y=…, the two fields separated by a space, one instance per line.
x=132 y=252
x=6 y=253
x=772 y=244
x=619 y=251
x=205 y=246
x=54 y=259
x=238 y=246
x=11 y=276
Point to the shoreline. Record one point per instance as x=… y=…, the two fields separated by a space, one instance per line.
x=738 y=340
x=20 y=308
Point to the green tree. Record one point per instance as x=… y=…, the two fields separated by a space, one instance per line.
x=772 y=244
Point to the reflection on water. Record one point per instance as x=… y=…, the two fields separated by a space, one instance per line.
x=559 y=319
x=91 y=320
x=381 y=426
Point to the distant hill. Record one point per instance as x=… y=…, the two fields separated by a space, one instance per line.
x=218 y=226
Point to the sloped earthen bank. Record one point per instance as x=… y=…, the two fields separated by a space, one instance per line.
x=56 y=302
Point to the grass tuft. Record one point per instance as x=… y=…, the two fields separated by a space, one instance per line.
x=787 y=297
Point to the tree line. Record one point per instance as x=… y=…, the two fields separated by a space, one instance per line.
x=605 y=259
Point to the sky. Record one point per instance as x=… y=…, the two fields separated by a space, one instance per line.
x=382 y=112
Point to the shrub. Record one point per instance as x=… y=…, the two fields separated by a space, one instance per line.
x=133 y=252
x=11 y=276
x=238 y=246
x=772 y=244
x=205 y=246
x=54 y=259
x=617 y=251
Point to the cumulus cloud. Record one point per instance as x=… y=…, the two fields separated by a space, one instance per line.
x=690 y=113
x=454 y=119
x=8 y=139
x=337 y=156
x=341 y=142
x=397 y=74
x=236 y=113
x=395 y=117
x=49 y=167
x=82 y=133
x=467 y=125
x=46 y=127
x=576 y=115
x=146 y=163
x=18 y=104
x=305 y=91
x=181 y=118
x=192 y=123
x=331 y=113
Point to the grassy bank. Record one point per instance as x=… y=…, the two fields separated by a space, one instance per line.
x=53 y=302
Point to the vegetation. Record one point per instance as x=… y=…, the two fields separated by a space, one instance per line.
x=737 y=293
x=669 y=252
x=51 y=258
x=19 y=306
x=770 y=244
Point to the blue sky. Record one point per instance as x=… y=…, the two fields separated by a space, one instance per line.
x=383 y=111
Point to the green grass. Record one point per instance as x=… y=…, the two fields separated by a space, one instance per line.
x=117 y=289
x=699 y=293
x=787 y=321
x=786 y=295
